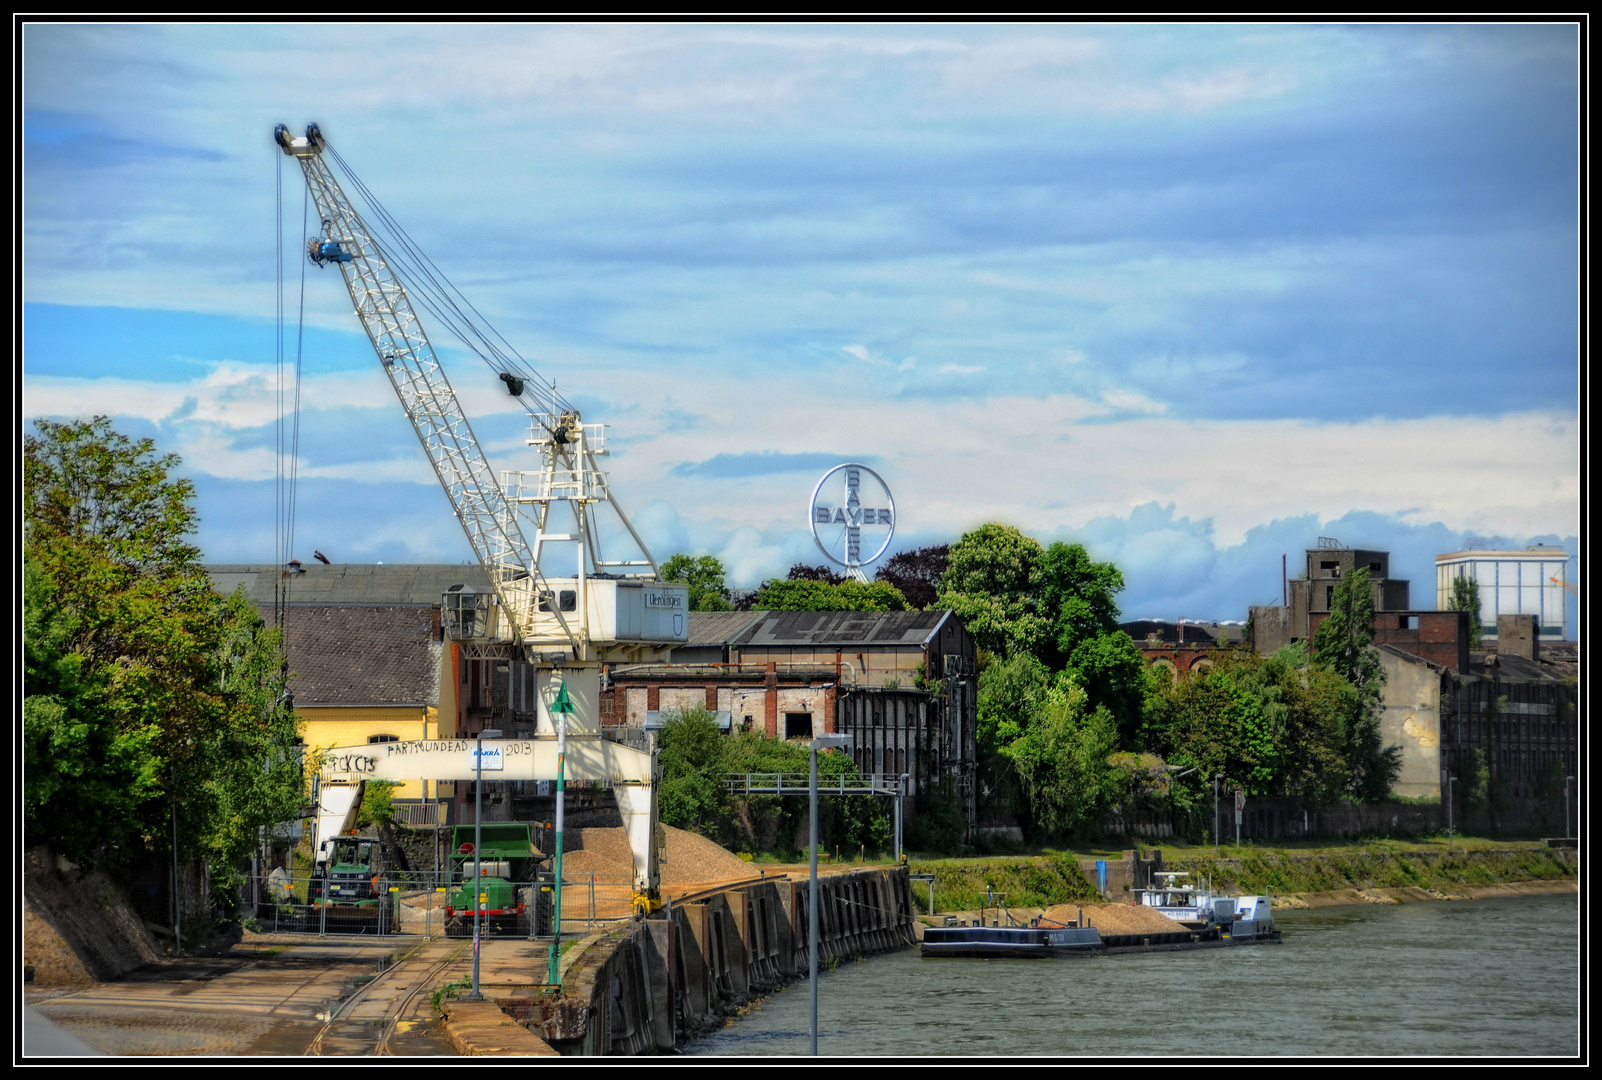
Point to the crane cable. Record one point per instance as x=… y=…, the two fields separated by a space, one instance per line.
x=440 y=296
x=286 y=442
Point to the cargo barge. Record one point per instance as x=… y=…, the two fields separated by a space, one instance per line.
x=1215 y=924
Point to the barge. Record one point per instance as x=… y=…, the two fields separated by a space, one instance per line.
x=1217 y=922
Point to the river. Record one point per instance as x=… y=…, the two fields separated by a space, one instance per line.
x=1483 y=977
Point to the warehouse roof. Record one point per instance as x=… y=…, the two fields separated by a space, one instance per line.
x=361 y=655
x=837 y=628
x=347 y=583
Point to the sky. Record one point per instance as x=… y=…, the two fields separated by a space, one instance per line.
x=1193 y=296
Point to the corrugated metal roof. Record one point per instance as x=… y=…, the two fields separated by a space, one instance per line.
x=716 y=627
x=348 y=583
x=355 y=655
x=841 y=628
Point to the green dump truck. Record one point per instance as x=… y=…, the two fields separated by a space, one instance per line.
x=509 y=899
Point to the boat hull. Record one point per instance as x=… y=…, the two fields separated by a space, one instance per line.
x=1030 y=943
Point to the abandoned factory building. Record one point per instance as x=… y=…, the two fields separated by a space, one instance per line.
x=1448 y=707
x=903 y=684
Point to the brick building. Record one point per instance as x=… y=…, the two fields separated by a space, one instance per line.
x=903 y=683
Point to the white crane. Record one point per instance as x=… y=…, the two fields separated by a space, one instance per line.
x=608 y=610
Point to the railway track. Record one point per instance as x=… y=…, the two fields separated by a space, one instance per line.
x=364 y=1022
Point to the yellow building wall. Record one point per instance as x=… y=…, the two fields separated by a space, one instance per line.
x=324 y=728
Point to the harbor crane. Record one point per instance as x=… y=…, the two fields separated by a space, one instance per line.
x=565 y=624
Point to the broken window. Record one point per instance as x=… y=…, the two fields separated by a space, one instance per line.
x=798 y=725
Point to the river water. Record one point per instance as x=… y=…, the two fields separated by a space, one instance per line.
x=1484 y=977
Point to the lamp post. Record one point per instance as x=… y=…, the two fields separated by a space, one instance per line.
x=1567 y=835
x=825 y=742
x=478 y=853
x=1450 y=780
x=560 y=708
x=1218 y=778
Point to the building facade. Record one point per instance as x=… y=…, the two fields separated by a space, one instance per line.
x=904 y=684
x=1529 y=582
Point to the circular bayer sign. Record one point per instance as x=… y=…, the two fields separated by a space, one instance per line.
x=852 y=500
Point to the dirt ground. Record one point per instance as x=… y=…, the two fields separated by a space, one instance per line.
x=686 y=859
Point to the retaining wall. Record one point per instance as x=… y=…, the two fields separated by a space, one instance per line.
x=643 y=988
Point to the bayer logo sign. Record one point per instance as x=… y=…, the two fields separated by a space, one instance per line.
x=851 y=510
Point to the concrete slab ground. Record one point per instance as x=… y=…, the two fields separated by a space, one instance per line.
x=268 y=996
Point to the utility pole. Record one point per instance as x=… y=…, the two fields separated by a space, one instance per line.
x=478 y=856
x=559 y=709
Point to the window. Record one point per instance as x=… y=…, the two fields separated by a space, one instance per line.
x=798 y=725
x=383 y=738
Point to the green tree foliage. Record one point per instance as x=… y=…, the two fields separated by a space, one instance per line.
x=1271 y=725
x=991 y=583
x=1344 y=643
x=1062 y=762
x=1054 y=604
x=704 y=575
x=1011 y=693
x=1466 y=597
x=696 y=758
x=849 y=595
x=144 y=690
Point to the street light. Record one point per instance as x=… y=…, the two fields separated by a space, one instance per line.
x=478 y=851
x=1450 y=780
x=825 y=742
x=1218 y=778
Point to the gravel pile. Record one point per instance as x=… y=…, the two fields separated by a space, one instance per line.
x=1117 y=918
x=687 y=859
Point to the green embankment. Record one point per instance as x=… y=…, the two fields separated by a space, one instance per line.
x=1022 y=882
x=1042 y=881
x=1282 y=872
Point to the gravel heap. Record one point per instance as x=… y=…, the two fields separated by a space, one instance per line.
x=1117 y=918
x=687 y=859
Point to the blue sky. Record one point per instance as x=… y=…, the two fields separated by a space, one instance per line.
x=1191 y=295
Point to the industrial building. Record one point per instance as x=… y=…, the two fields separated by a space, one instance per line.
x=1528 y=582
x=904 y=684
x=369 y=662
x=1514 y=702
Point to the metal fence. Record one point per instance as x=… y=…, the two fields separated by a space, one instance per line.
x=428 y=905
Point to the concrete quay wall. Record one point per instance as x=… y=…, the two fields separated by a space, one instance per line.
x=643 y=988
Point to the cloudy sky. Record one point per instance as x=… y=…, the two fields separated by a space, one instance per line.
x=1194 y=296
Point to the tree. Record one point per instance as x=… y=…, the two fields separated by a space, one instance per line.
x=1078 y=596
x=1344 y=643
x=704 y=575
x=991 y=583
x=145 y=691
x=848 y=595
x=1466 y=597
x=1062 y=762
x=696 y=757
x=803 y=572
x=1055 y=604
x=916 y=573
x=1011 y=693
x=694 y=760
